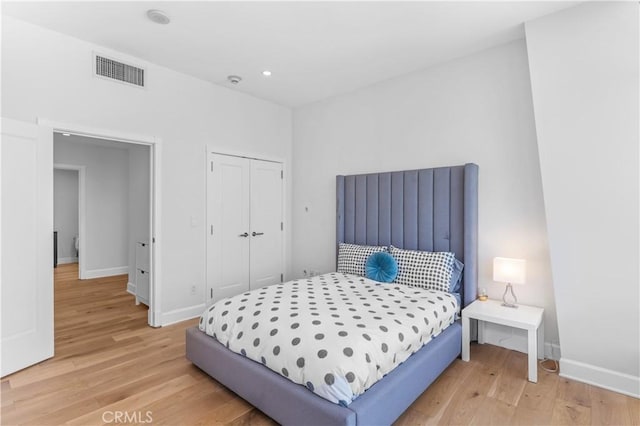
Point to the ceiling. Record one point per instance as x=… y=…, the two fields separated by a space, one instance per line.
x=104 y=143
x=315 y=50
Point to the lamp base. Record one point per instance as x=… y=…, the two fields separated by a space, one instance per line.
x=506 y=303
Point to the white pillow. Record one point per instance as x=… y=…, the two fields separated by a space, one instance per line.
x=352 y=257
x=425 y=269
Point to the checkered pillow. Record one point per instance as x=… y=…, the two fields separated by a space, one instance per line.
x=352 y=257
x=426 y=269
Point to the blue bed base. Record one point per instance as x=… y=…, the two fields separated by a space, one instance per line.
x=430 y=209
x=291 y=404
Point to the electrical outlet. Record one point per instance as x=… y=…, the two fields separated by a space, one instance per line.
x=193 y=290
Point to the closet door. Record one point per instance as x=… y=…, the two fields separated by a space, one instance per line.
x=228 y=212
x=266 y=223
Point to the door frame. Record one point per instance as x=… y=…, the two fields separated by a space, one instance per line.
x=155 y=149
x=213 y=150
x=82 y=211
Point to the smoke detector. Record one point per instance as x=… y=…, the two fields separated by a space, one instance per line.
x=158 y=16
x=234 y=79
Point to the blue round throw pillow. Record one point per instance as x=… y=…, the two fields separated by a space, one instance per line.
x=381 y=267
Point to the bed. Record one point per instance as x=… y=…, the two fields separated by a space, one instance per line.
x=429 y=209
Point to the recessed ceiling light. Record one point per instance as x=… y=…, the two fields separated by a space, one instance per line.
x=234 y=79
x=158 y=16
x=66 y=134
x=266 y=73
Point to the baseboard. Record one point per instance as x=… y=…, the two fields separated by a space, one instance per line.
x=183 y=314
x=601 y=377
x=65 y=260
x=131 y=288
x=108 y=272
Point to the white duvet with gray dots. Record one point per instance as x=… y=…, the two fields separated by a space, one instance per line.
x=336 y=334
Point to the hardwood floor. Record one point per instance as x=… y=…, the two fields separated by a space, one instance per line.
x=108 y=361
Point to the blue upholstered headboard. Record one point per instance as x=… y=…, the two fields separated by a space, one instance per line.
x=429 y=209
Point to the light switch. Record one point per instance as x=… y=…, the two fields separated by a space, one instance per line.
x=194 y=222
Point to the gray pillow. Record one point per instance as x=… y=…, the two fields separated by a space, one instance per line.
x=425 y=269
x=352 y=257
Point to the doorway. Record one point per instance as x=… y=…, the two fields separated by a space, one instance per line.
x=112 y=202
x=149 y=148
x=69 y=214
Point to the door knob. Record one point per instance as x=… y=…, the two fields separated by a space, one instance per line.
x=245 y=235
x=257 y=233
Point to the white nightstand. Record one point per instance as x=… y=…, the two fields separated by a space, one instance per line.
x=528 y=318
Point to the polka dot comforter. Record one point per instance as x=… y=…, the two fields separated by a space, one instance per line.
x=336 y=334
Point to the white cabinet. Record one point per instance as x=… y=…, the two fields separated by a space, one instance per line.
x=142 y=273
x=245 y=228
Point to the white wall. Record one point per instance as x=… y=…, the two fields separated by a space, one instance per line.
x=47 y=74
x=65 y=213
x=584 y=77
x=139 y=199
x=105 y=245
x=475 y=109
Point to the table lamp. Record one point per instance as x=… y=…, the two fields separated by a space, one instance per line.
x=510 y=271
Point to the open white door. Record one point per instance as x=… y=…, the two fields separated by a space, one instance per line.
x=27 y=245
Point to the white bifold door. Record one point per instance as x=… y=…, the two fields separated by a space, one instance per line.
x=245 y=228
x=27 y=245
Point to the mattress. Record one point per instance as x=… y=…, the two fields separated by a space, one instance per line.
x=336 y=334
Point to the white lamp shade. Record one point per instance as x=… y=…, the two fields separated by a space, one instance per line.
x=506 y=270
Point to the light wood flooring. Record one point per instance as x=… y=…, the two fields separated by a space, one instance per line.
x=108 y=360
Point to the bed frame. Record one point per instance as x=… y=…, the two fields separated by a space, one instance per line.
x=429 y=209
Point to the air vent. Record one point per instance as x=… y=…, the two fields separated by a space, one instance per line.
x=119 y=71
